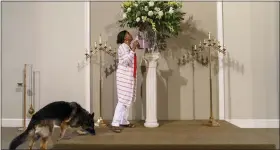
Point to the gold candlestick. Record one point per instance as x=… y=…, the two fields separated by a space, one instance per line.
x=211 y=45
x=212 y=122
x=24 y=98
x=31 y=109
x=93 y=52
x=208 y=45
x=100 y=121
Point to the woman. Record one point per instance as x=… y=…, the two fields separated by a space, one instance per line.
x=126 y=80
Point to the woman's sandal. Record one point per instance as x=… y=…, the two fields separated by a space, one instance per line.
x=127 y=125
x=116 y=129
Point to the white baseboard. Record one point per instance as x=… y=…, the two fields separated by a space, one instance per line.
x=17 y=123
x=13 y=122
x=255 y=123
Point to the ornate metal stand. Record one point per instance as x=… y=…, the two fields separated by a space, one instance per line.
x=208 y=46
x=30 y=93
x=99 y=48
x=27 y=92
x=24 y=98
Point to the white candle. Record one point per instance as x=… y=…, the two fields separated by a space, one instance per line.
x=195 y=47
x=110 y=47
x=200 y=43
x=209 y=36
x=86 y=51
x=105 y=43
x=100 y=40
x=95 y=44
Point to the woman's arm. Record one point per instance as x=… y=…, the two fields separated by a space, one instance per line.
x=126 y=56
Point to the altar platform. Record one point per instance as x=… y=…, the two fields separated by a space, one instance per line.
x=176 y=135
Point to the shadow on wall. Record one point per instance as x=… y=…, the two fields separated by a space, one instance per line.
x=169 y=75
x=171 y=79
x=177 y=47
x=230 y=64
x=169 y=103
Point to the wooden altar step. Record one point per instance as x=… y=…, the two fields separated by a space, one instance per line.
x=171 y=135
x=169 y=147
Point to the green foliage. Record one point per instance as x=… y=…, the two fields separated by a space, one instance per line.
x=163 y=17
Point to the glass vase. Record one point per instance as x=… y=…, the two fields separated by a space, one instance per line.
x=143 y=40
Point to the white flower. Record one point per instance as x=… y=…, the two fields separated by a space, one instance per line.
x=157 y=9
x=144 y=18
x=146 y=8
x=151 y=4
x=124 y=15
x=150 y=13
x=128 y=9
x=160 y=13
x=136 y=5
x=171 y=10
x=137 y=19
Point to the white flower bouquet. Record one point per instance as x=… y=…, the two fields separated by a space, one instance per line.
x=160 y=18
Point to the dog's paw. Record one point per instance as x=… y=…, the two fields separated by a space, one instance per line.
x=81 y=132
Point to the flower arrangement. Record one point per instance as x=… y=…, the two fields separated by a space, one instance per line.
x=160 y=18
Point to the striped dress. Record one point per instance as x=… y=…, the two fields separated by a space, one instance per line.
x=126 y=83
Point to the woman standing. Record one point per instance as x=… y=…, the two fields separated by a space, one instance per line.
x=126 y=80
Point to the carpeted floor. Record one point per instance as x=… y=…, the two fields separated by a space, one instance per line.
x=171 y=135
x=174 y=135
x=169 y=147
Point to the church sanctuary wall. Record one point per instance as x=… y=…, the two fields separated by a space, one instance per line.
x=182 y=95
x=1 y=71
x=251 y=34
x=51 y=36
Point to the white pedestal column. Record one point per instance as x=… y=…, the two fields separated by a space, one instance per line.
x=151 y=90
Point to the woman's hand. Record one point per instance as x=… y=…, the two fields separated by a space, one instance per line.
x=135 y=45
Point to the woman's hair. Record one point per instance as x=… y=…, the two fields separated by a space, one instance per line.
x=121 y=36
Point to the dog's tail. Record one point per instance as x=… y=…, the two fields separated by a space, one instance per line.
x=23 y=136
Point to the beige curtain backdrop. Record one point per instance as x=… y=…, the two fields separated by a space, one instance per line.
x=183 y=94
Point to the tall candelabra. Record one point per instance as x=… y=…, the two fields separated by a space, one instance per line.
x=208 y=46
x=211 y=45
x=93 y=51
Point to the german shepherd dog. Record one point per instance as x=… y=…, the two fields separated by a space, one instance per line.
x=60 y=113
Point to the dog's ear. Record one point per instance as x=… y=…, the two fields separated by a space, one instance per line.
x=92 y=115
